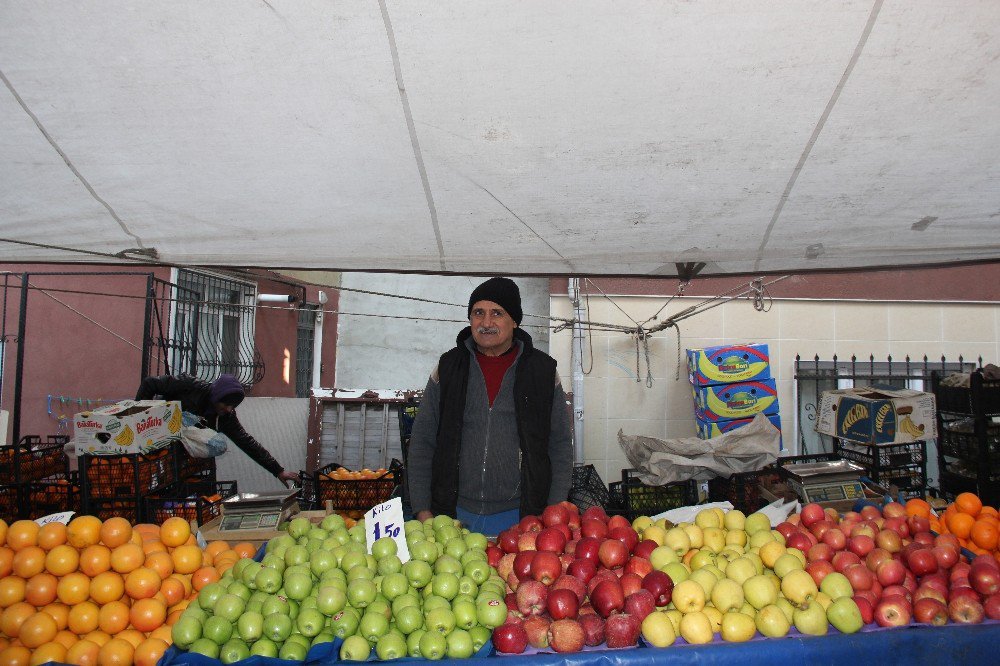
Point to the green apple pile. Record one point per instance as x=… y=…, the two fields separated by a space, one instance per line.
x=734 y=577
x=318 y=583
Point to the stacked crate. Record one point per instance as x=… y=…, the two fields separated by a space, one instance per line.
x=32 y=462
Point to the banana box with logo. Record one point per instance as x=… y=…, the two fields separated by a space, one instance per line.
x=127 y=427
x=870 y=415
x=728 y=363
x=725 y=402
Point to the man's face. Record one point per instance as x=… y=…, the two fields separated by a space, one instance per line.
x=492 y=328
x=222 y=408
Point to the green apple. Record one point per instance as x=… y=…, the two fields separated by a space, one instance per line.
x=250 y=626
x=713 y=538
x=361 y=571
x=325 y=636
x=491 y=613
x=296 y=555
x=298 y=586
x=478 y=571
x=277 y=627
x=357 y=533
x=275 y=604
x=476 y=541
x=394 y=585
x=799 y=587
x=459 y=645
x=480 y=636
x=345 y=622
x=355 y=648
x=433 y=645
x=384 y=547
x=409 y=619
x=658 y=630
x=234 y=650
x=696 y=628
x=440 y=620
x=737 y=539
x=205 y=646
x=418 y=572
x=756 y=522
x=466 y=615
x=445 y=585
x=759 y=591
x=843 y=614
x=361 y=592
x=771 y=622
x=734 y=520
x=786 y=564
x=373 y=626
x=727 y=595
x=467 y=586
x=823 y=600
x=811 y=620
x=695 y=534
x=321 y=561
x=380 y=606
x=755 y=558
x=391 y=646
x=264 y=647
x=413 y=643
x=688 y=597
x=674 y=616
x=447 y=564
x=389 y=565
x=473 y=555
x=433 y=601
x=702 y=558
x=678 y=571
x=835 y=585
x=217 y=629
x=310 y=622
x=186 y=631
x=662 y=556
x=799 y=555
x=737 y=627
x=466 y=598
x=333 y=522
x=353 y=558
x=404 y=600
x=758 y=539
x=456 y=547
x=267 y=580
x=229 y=607
x=330 y=600
x=209 y=595
x=714 y=617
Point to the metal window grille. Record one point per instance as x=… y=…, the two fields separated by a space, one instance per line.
x=305 y=335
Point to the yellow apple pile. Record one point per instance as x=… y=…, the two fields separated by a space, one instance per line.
x=734 y=577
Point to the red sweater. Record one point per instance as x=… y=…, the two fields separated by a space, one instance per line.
x=494 y=368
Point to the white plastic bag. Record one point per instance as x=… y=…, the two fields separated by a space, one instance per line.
x=201 y=441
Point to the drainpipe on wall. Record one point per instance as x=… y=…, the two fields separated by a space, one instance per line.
x=318 y=340
x=577 y=363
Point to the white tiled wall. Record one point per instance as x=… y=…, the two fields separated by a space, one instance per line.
x=614 y=400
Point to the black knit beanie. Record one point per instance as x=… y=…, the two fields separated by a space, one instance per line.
x=502 y=291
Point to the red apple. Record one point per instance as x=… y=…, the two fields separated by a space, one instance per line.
x=570 y=548
x=594 y=513
x=564 y=530
x=986 y=559
x=554 y=514
x=800 y=540
x=622 y=630
x=522 y=563
x=896 y=590
x=962 y=591
x=819 y=569
x=638 y=566
x=820 y=528
x=834 y=538
x=566 y=635
x=894 y=510
x=583 y=570
x=613 y=553
x=876 y=557
x=660 y=585
x=600 y=576
x=861 y=544
x=591 y=527
x=537 y=629
x=921 y=561
x=562 y=604
x=866 y=607
x=984 y=575
x=639 y=604
x=811 y=514
x=493 y=555
x=930 y=611
x=960 y=570
x=593 y=629
x=859 y=576
x=531 y=597
x=890 y=572
x=923 y=538
x=507 y=540
x=530 y=524
x=630 y=583
x=618 y=521
x=645 y=548
x=964 y=610
x=550 y=539
x=607 y=598
x=844 y=559
x=820 y=551
x=626 y=535
x=863 y=529
x=946 y=556
x=927 y=592
x=571 y=583
x=918 y=524
x=991 y=606
x=587 y=548
x=526 y=540
x=506 y=565
x=510 y=638
x=893 y=611
x=786 y=529
x=889 y=541
x=546 y=567
x=872 y=598
x=938 y=581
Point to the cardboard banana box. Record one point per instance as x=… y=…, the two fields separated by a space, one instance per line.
x=127 y=427
x=877 y=416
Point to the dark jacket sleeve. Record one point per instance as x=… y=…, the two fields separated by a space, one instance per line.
x=423 y=441
x=165 y=385
x=231 y=427
x=560 y=447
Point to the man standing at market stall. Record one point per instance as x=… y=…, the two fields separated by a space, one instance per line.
x=216 y=404
x=492 y=439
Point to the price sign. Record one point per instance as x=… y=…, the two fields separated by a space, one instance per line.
x=62 y=517
x=386 y=520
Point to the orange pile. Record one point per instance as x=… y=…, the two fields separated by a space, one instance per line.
x=976 y=526
x=107 y=591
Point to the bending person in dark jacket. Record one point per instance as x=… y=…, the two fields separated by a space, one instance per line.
x=492 y=439
x=216 y=404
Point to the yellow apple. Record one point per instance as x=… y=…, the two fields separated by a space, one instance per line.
x=714 y=616
x=735 y=520
x=771 y=622
x=696 y=628
x=658 y=630
x=694 y=535
x=707 y=518
x=713 y=538
x=770 y=552
x=737 y=627
x=688 y=597
x=727 y=595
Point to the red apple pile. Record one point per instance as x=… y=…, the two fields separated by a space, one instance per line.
x=575 y=580
x=898 y=569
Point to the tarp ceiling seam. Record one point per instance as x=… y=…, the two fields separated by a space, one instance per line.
x=872 y=17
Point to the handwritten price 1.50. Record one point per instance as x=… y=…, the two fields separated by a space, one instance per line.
x=389 y=530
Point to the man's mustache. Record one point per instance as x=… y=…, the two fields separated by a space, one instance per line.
x=487 y=330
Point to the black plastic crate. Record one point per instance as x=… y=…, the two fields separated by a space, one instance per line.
x=883 y=456
x=643 y=500
x=33 y=458
x=588 y=489
x=959 y=441
x=187 y=467
x=199 y=501
x=128 y=508
x=11 y=503
x=616 y=500
x=904 y=478
x=349 y=494
x=129 y=476
x=742 y=489
x=52 y=495
x=782 y=462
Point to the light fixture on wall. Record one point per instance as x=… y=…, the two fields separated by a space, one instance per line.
x=275 y=298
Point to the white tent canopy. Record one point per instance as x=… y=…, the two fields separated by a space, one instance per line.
x=515 y=136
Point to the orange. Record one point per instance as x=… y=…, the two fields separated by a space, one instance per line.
x=59 y=613
x=115 y=532
x=113 y=617
x=203 y=577
x=133 y=636
x=148 y=652
x=67 y=638
x=16 y=655
x=127 y=557
x=73 y=588
x=107 y=587
x=960 y=524
x=62 y=560
x=175 y=531
x=116 y=652
x=151 y=546
x=83 y=653
x=160 y=562
x=989 y=511
x=185 y=581
x=29 y=561
x=83 y=618
x=969 y=503
x=83 y=531
x=147 y=614
x=21 y=534
x=51 y=535
x=142 y=583
x=52 y=651
x=37 y=630
x=187 y=558
x=918 y=507
x=163 y=632
x=985 y=534
x=173 y=590
x=14 y=616
x=95 y=559
x=98 y=636
x=216 y=547
x=6 y=561
x=245 y=549
x=11 y=591
x=40 y=589
x=3 y=531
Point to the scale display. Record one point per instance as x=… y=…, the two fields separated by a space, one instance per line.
x=250 y=521
x=834 y=491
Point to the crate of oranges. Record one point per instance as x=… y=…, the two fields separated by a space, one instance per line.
x=52 y=495
x=199 y=502
x=33 y=458
x=350 y=490
x=128 y=476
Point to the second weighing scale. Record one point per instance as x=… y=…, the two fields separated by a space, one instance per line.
x=255 y=511
x=827 y=481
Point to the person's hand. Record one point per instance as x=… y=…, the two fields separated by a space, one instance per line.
x=424 y=515
x=287 y=477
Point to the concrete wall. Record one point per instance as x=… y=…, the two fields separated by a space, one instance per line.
x=398 y=348
x=614 y=400
x=279 y=424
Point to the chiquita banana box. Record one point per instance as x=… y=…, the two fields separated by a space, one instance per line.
x=729 y=363
x=127 y=427
x=877 y=416
x=724 y=402
x=712 y=429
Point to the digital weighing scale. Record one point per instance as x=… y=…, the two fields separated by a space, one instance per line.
x=256 y=511
x=827 y=481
